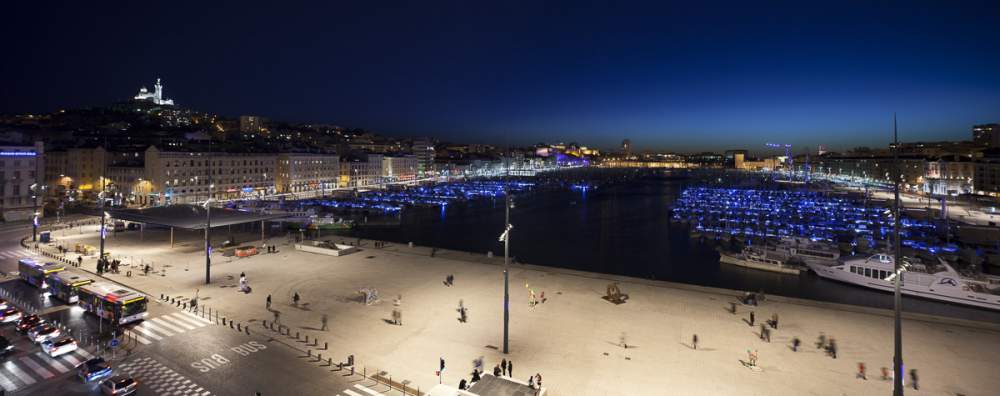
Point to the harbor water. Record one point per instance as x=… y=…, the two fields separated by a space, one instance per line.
x=623 y=229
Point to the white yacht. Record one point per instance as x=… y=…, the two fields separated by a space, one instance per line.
x=931 y=280
x=806 y=250
x=752 y=258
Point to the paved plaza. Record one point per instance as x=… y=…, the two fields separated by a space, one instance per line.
x=573 y=339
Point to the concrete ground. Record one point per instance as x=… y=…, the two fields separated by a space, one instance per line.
x=573 y=339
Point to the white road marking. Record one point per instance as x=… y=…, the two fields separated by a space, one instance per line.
x=176 y=322
x=147 y=332
x=153 y=326
x=352 y=393
x=7 y=384
x=186 y=318
x=25 y=378
x=161 y=322
x=139 y=338
x=41 y=371
x=72 y=359
x=52 y=362
x=366 y=390
x=197 y=318
x=84 y=353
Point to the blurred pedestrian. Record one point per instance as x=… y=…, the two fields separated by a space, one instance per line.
x=503 y=366
x=268 y=301
x=295 y=299
x=913 y=379
x=694 y=342
x=861 y=371
x=510 y=368
x=751 y=318
x=795 y=344
x=821 y=341
x=323 y=319
x=885 y=373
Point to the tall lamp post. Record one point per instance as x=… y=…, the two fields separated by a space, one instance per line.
x=897 y=360
x=505 y=238
x=34 y=212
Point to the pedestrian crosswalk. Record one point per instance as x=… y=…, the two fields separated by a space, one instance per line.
x=359 y=390
x=17 y=254
x=161 y=327
x=25 y=370
x=161 y=379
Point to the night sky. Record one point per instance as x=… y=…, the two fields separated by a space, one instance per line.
x=681 y=76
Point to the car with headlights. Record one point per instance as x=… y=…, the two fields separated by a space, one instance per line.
x=4 y=304
x=9 y=315
x=95 y=369
x=120 y=385
x=59 y=346
x=43 y=332
x=28 y=322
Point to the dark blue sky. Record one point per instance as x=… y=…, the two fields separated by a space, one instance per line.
x=684 y=76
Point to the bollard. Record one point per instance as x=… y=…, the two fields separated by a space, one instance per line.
x=296 y=335
x=319 y=356
x=230 y=324
x=264 y=322
x=309 y=352
x=329 y=361
x=247 y=330
x=239 y=327
x=307 y=338
x=223 y=320
x=272 y=326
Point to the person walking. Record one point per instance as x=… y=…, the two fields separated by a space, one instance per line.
x=861 y=371
x=832 y=348
x=821 y=341
x=795 y=344
x=767 y=334
x=732 y=308
x=323 y=319
x=268 y=301
x=510 y=368
x=885 y=373
x=751 y=319
x=762 y=331
x=694 y=342
x=503 y=366
x=913 y=378
x=774 y=321
x=277 y=317
x=295 y=299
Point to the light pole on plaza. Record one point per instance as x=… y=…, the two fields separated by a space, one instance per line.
x=505 y=238
x=897 y=360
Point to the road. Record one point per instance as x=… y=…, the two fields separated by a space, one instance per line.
x=171 y=351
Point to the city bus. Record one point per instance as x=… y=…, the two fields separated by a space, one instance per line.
x=66 y=286
x=36 y=273
x=112 y=302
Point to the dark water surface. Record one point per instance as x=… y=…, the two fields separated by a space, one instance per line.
x=621 y=229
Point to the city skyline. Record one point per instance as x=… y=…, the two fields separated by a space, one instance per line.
x=673 y=77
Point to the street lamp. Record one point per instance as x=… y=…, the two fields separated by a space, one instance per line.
x=897 y=360
x=208 y=244
x=505 y=238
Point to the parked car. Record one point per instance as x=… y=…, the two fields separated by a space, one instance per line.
x=9 y=315
x=4 y=304
x=120 y=385
x=28 y=322
x=95 y=369
x=5 y=345
x=43 y=332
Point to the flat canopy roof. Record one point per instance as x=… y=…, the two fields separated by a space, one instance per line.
x=191 y=217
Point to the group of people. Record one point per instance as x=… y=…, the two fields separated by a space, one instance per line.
x=886 y=376
x=271 y=248
x=105 y=265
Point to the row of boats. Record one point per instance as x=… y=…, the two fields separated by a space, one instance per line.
x=929 y=277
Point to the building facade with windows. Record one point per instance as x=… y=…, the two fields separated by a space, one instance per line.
x=187 y=177
x=21 y=167
x=401 y=168
x=302 y=172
